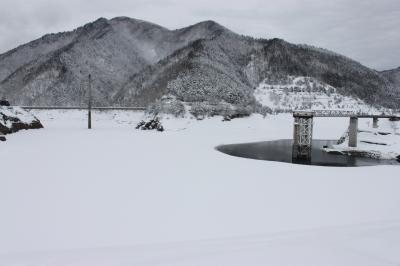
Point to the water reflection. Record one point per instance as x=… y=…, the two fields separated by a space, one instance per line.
x=281 y=151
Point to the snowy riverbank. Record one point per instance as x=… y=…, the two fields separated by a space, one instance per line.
x=119 y=196
x=380 y=143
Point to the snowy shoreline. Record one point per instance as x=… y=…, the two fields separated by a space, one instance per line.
x=378 y=143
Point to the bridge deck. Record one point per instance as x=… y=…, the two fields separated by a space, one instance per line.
x=338 y=113
x=81 y=108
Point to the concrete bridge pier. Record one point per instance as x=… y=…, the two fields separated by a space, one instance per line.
x=375 y=122
x=353 y=130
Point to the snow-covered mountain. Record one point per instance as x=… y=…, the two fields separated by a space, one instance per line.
x=53 y=70
x=134 y=62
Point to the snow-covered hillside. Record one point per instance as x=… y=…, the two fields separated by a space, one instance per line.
x=393 y=76
x=119 y=196
x=288 y=93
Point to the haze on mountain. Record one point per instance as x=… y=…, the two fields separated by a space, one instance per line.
x=134 y=63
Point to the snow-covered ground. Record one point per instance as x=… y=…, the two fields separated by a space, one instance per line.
x=382 y=142
x=117 y=196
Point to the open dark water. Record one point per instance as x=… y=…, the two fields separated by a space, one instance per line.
x=281 y=151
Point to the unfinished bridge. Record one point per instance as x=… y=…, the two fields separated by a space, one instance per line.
x=303 y=128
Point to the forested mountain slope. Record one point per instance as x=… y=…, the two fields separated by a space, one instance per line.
x=134 y=62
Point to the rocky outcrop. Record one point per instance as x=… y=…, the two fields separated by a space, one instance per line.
x=4 y=102
x=13 y=119
x=153 y=124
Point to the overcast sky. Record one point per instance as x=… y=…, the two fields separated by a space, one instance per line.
x=365 y=30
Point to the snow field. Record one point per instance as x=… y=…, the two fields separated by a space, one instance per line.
x=117 y=196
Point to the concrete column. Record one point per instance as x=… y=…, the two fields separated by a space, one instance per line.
x=375 y=122
x=353 y=129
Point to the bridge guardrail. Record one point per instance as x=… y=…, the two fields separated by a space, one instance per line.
x=82 y=108
x=342 y=113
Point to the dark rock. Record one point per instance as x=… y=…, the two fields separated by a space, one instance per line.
x=2 y=138
x=4 y=103
x=234 y=116
x=365 y=154
x=10 y=121
x=160 y=128
x=18 y=125
x=372 y=142
x=140 y=124
x=153 y=124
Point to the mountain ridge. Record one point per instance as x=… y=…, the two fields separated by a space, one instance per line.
x=137 y=62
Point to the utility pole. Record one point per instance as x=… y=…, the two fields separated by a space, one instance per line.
x=310 y=94
x=90 y=103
